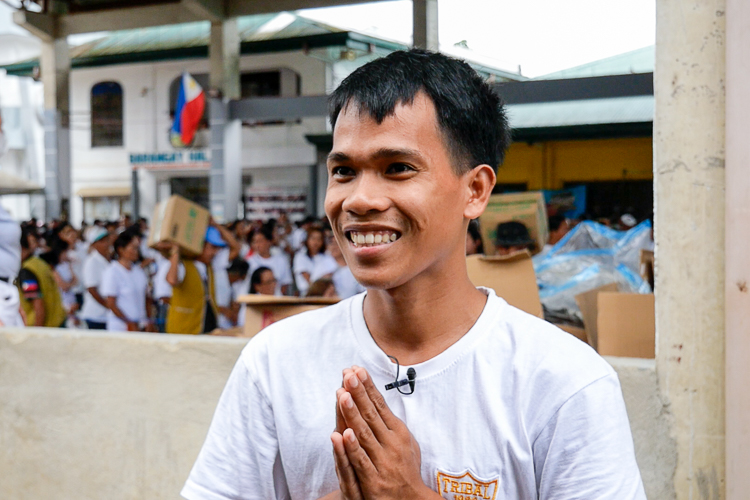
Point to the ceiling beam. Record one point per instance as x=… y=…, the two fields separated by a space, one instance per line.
x=213 y=10
x=40 y=25
x=127 y=18
x=236 y=8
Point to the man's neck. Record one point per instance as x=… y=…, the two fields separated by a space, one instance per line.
x=420 y=319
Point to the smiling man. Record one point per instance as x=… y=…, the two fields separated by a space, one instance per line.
x=488 y=402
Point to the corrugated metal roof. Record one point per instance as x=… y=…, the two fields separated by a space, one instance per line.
x=637 y=109
x=636 y=61
x=181 y=36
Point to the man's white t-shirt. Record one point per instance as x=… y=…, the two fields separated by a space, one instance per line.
x=278 y=263
x=516 y=409
x=93 y=271
x=130 y=287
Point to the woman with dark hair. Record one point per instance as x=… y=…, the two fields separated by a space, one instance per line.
x=263 y=282
x=312 y=262
x=474 y=239
x=124 y=287
x=62 y=242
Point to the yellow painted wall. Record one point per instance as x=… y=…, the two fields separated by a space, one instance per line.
x=549 y=165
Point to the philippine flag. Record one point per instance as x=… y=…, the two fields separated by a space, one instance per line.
x=191 y=102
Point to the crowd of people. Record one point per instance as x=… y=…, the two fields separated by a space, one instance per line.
x=105 y=276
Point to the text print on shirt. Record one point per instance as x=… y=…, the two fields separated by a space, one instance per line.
x=465 y=487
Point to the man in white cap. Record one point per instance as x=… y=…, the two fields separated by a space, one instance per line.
x=10 y=264
x=94 y=310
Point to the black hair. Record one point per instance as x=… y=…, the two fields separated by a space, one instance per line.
x=266 y=231
x=123 y=240
x=554 y=222
x=476 y=234
x=255 y=278
x=315 y=229
x=238 y=266
x=26 y=231
x=469 y=113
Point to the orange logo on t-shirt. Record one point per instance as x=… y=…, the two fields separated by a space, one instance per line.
x=465 y=487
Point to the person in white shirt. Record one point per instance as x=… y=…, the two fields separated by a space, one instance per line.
x=343 y=279
x=262 y=256
x=94 y=311
x=10 y=266
x=443 y=390
x=312 y=262
x=124 y=286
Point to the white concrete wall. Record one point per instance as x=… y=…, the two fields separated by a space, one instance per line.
x=147 y=121
x=123 y=416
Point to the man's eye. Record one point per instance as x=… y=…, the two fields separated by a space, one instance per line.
x=342 y=171
x=399 y=168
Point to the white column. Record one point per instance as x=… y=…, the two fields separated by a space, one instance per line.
x=55 y=71
x=425 y=24
x=689 y=80
x=225 y=179
x=737 y=242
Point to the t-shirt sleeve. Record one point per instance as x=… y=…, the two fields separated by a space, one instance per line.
x=586 y=449
x=92 y=274
x=109 y=285
x=285 y=273
x=240 y=457
x=29 y=285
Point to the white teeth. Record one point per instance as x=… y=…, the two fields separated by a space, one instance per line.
x=372 y=238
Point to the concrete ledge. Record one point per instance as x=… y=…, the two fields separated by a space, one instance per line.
x=122 y=416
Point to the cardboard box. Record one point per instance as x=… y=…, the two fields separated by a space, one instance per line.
x=528 y=208
x=263 y=310
x=578 y=333
x=588 y=304
x=626 y=325
x=511 y=276
x=178 y=220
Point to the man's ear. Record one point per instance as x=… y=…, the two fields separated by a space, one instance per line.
x=479 y=181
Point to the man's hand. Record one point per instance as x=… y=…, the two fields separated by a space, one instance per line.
x=376 y=456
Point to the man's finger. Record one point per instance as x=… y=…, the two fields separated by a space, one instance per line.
x=348 y=482
x=340 y=423
x=354 y=422
x=357 y=455
x=378 y=401
x=365 y=406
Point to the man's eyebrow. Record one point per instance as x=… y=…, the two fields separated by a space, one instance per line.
x=380 y=154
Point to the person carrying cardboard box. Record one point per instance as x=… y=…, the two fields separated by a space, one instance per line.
x=192 y=308
x=443 y=390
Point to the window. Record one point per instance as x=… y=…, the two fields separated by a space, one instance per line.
x=106 y=115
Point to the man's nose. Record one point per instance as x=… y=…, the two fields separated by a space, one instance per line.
x=368 y=194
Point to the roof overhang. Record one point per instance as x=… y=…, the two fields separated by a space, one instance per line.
x=72 y=17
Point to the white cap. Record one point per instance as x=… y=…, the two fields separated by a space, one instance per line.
x=628 y=220
x=96 y=233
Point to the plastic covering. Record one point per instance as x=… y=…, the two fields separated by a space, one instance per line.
x=589 y=256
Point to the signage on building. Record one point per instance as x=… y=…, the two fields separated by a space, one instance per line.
x=264 y=203
x=195 y=159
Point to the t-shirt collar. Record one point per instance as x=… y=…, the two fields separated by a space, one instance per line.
x=379 y=360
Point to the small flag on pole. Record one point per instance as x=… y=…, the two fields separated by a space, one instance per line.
x=191 y=102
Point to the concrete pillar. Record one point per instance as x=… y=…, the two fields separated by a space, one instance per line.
x=225 y=178
x=55 y=71
x=737 y=242
x=425 y=24
x=689 y=217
